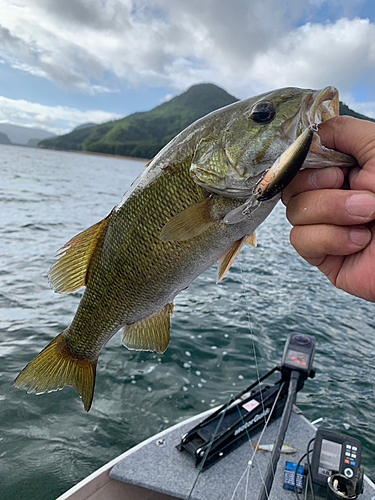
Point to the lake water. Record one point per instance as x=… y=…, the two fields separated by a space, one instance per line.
x=220 y=333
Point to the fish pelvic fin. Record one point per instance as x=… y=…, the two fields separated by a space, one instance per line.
x=68 y=273
x=150 y=333
x=228 y=258
x=191 y=222
x=54 y=368
x=252 y=239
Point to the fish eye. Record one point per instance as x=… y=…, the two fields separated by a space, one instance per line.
x=263 y=112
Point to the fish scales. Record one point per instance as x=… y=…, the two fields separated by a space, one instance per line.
x=168 y=228
x=134 y=263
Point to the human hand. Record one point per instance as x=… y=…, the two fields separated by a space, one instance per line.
x=334 y=229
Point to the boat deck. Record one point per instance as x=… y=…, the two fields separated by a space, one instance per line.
x=158 y=466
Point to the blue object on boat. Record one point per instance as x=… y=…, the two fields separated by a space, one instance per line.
x=289 y=473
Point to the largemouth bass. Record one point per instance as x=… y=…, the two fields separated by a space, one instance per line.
x=169 y=228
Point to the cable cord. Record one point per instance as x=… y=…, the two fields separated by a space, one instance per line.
x=309 y=478
x=295 y=475
x=309 y=472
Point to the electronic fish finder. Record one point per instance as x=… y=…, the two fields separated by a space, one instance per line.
x=334 y=453
x=336 y=465
x=334 y=470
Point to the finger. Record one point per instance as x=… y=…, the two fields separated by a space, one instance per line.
x=311 y=179
x=349 y=135
x=363 y=178
x=327 y=206
x=352 y=176
x=353 y=273
x=314 y=243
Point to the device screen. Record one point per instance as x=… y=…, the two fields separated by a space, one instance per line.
x=297 y=358
x=330 y=455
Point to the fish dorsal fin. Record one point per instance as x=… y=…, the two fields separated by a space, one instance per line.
x=68 y=272
x=150 y=333
x=191 y=222
x=227 y=259
x=252 y=239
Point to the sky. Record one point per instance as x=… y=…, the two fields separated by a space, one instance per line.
x=68 y=62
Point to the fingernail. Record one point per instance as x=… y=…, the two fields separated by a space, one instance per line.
x=361 y=205
x=324 y=178
x=360 y=236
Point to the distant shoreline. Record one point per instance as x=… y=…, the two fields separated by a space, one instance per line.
x=146 y=160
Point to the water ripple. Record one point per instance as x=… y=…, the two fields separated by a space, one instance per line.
x=50 y=196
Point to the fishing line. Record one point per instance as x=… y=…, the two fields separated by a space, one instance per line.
x=247 y=482
x=250 y=462
x=247 y=469
x=248 y=314
x=208 y=449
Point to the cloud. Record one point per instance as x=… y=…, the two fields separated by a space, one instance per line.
x=57 y=119
x=312 y=55
x=95 y=46
x=166 y=98
x=365 y=108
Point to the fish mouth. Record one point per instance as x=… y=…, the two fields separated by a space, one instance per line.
x=318 y=107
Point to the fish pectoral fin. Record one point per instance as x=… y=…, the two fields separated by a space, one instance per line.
x=252 y=239
x=227 y=259
x=54 y=368
x=68 y=273
x=150 y=333
x=189 y=223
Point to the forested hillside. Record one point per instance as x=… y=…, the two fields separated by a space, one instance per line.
x=143 y=134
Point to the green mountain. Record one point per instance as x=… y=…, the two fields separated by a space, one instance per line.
x=85 y=125
x=4 y=139
x=68 y=142
x=345 y=110
x=142 y=135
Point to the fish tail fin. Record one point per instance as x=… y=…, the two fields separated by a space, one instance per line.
x=54 y=368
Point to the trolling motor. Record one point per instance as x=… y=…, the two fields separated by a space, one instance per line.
x=296 y=366
x=233 y=423
x=334 y=470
